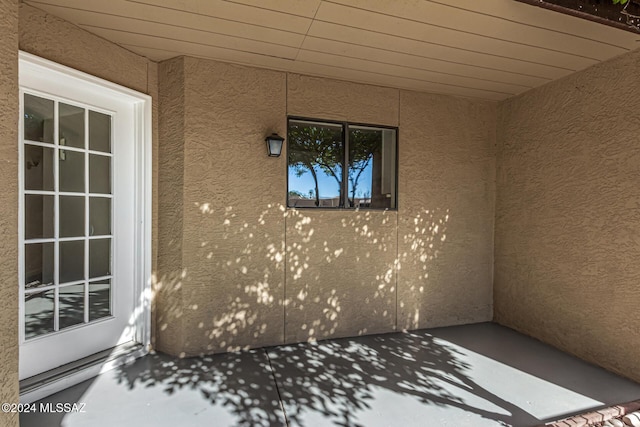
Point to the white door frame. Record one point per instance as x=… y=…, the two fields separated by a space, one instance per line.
x=35 y=66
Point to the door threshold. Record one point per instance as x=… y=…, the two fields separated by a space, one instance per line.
x=47 y=383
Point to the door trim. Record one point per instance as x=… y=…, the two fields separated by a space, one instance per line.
x=141 y=187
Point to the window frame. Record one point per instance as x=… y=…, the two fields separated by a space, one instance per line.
x=344 y=186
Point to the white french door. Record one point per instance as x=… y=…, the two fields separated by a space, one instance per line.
x=83 y=215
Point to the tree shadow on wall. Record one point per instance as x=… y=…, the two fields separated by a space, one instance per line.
x=336 y=380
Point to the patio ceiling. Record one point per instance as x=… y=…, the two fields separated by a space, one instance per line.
x=489 y=49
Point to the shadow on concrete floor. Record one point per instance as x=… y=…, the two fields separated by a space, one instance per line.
x=475 y=375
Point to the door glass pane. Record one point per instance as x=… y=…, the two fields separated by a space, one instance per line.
x=99 y=216
x=99 y=257
x=99 y=299
x=38 y=265
x=71 y=216
x=38 y=313
x=71 y=261
x=71 y=126
x=71 y=171
x=38 y=119
x=99 y=174
x=99 y=132
x=71 y=300
x=38 y=168
x=38 y=216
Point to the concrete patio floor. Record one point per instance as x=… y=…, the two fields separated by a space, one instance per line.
x=474 y=375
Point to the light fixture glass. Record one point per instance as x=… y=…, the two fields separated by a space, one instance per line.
x=274 y=145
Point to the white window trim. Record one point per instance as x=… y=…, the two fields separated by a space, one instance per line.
x=142 y=188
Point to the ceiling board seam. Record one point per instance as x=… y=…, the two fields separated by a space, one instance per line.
x=172 y=25
x=175 y=26
x=436 y=59
x=216 y=17
x=466 y=32
x=529 y=25
x=152 y=48
x=322 y=75
x=266 y=8
x=187 y=41
x=306 y=34
x=408 y=78
x=416 y=68
x=336 y=66
x=453 y=47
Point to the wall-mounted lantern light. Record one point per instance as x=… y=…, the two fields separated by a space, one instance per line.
x=274 y=145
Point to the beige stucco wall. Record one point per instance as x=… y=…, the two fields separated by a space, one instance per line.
x=168 y=334
x=225 y=210
x=568 y=196
x=341 y=265
x=9 y=207
x=328 y=99
x=341 y=273
x=446 y=213
x=233 y=240
x=253 y=273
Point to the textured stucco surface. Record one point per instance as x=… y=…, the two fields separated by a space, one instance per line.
x=317 y=97
x=153 y=91
x=168 y=277
x=567 y=214
x=341 y=273
x=9 y=207
x=52 y=38
x=446 y=193
x=253 y=273
x=232 y=239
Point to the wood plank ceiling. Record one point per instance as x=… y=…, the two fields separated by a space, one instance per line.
x=488 y=49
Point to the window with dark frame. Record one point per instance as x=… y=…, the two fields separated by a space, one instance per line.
x=341 y=165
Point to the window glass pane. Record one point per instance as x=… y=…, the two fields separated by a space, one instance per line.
x=71 y=171
x=316 y=153
x=71 y=300
x=38 y=168
x=372 y=168
x=99 y=216
x=99 y=174
x=71 y=125
x=38 y=313
x=71 y=261
x=71 y=216
x=99 y=299
x=38 y=216
x=38 y=119
x=38 y=265
x=99 y=132
x=99 y=257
